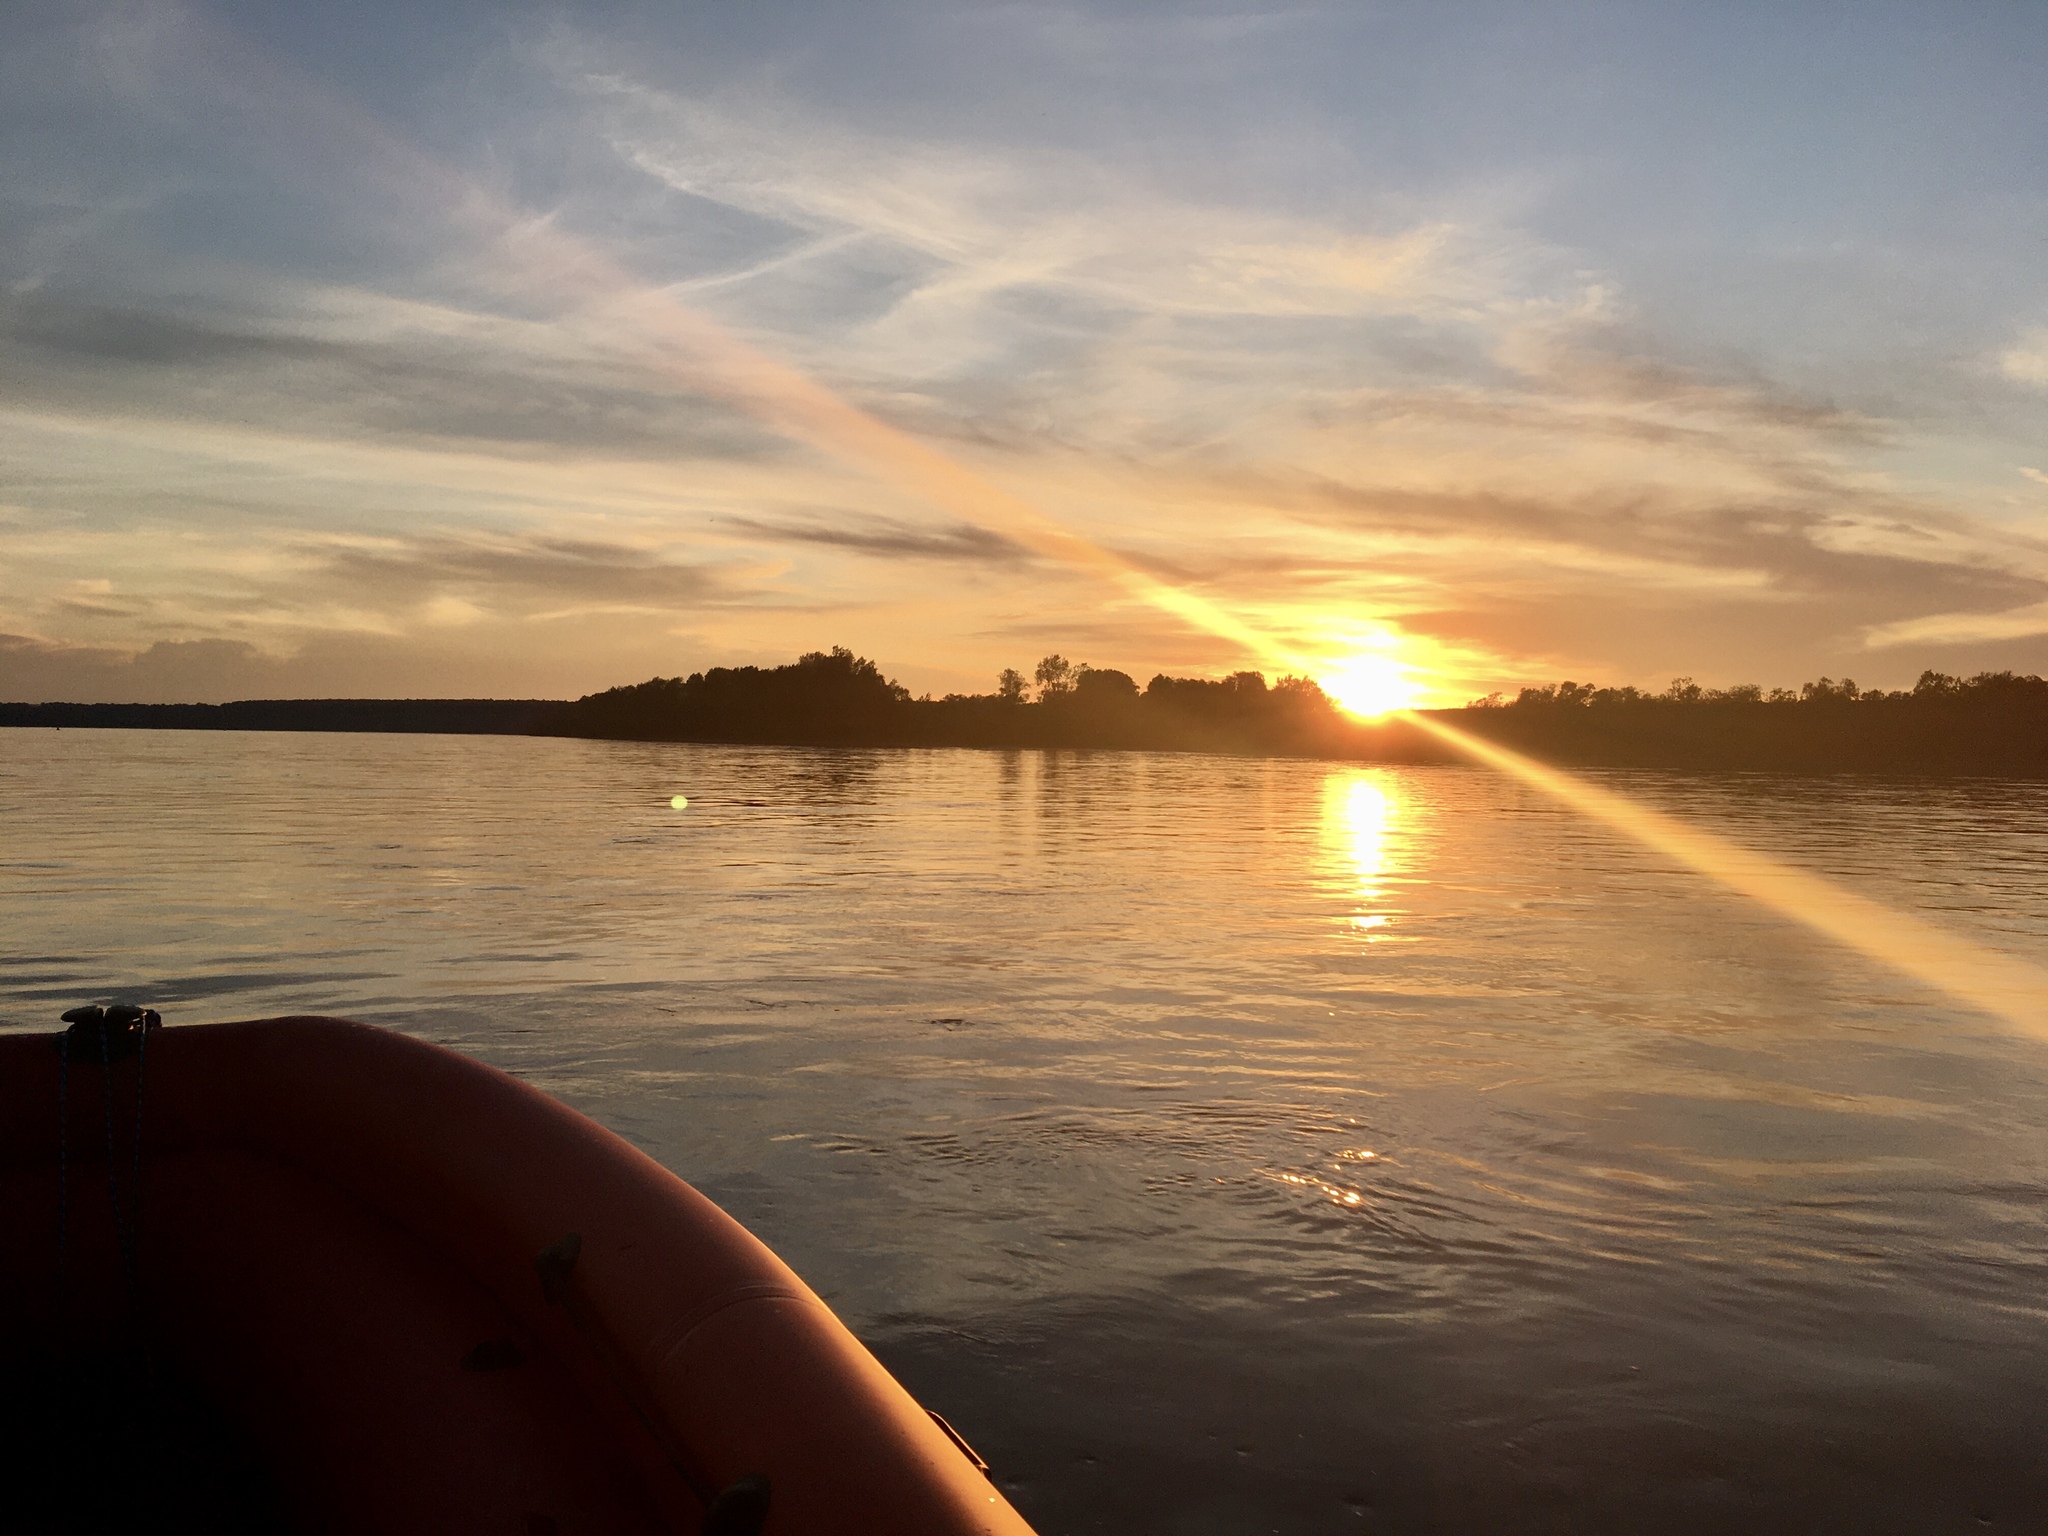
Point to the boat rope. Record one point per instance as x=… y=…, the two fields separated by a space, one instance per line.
x=63 y=1174
x=120 y=1029
x=107 y=1106
x=135 y=1183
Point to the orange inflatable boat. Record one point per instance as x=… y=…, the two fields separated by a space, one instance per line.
x=307 y=1275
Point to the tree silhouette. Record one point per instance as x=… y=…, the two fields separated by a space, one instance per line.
x=1094 y=683
x=1056 y=675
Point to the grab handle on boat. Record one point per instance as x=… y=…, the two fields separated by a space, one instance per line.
x=740 y=1510
x=960 y=1440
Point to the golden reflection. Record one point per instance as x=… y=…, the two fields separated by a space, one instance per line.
x=1361 y=816
x=1336 y=1194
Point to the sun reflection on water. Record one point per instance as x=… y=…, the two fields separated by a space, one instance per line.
x=1336 y=1194
x=1361 y=818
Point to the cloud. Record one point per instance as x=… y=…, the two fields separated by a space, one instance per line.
x=367 y=367
x=516 y=573
x=1676 y=550
x=170 y=671
x=214 y=671
x=137 y=336
x=1594 y=354
x=231 y=616
x=1960 y=628
x=2026 y=362
x=962 y=542
x=950 y=255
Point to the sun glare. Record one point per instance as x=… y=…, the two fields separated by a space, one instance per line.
x=1371 y=685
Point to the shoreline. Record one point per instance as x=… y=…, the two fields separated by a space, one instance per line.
x=1928 y=741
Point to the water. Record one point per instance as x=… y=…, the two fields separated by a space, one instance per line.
x=1223 y=1145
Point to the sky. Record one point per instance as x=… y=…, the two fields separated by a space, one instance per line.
x=525 y=350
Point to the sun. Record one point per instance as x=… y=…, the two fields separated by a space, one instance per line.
x=1370 y=685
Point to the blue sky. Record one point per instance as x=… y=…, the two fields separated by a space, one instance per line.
x=463 y=349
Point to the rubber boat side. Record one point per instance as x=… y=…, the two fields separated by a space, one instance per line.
x=438 y=1300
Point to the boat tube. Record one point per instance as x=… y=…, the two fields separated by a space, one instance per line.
x=308 y=1275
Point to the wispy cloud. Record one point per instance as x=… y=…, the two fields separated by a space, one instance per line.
x=2026 y=361
x=1946 y=629
x=891 y=539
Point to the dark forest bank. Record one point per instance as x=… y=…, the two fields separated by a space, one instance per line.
x=1994 y=723
x=838 y=699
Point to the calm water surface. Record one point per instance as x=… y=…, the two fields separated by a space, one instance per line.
x=1225 y=1146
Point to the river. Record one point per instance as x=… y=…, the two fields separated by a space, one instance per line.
x=1223 y=1145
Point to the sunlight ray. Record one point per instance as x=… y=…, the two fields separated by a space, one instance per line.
x=1999 y=984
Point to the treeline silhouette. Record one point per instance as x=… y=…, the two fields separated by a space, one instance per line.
x=836 y=698
x=1994 y=722
x=455 y=717
x=1993 y=690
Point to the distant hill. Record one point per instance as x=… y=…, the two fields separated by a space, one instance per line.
x=460 y=717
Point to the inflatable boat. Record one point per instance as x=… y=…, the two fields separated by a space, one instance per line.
x=308 y=1275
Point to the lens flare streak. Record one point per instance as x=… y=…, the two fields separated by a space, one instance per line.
x=2002 y=985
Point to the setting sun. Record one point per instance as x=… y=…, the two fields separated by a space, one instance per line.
x=1370 y=685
